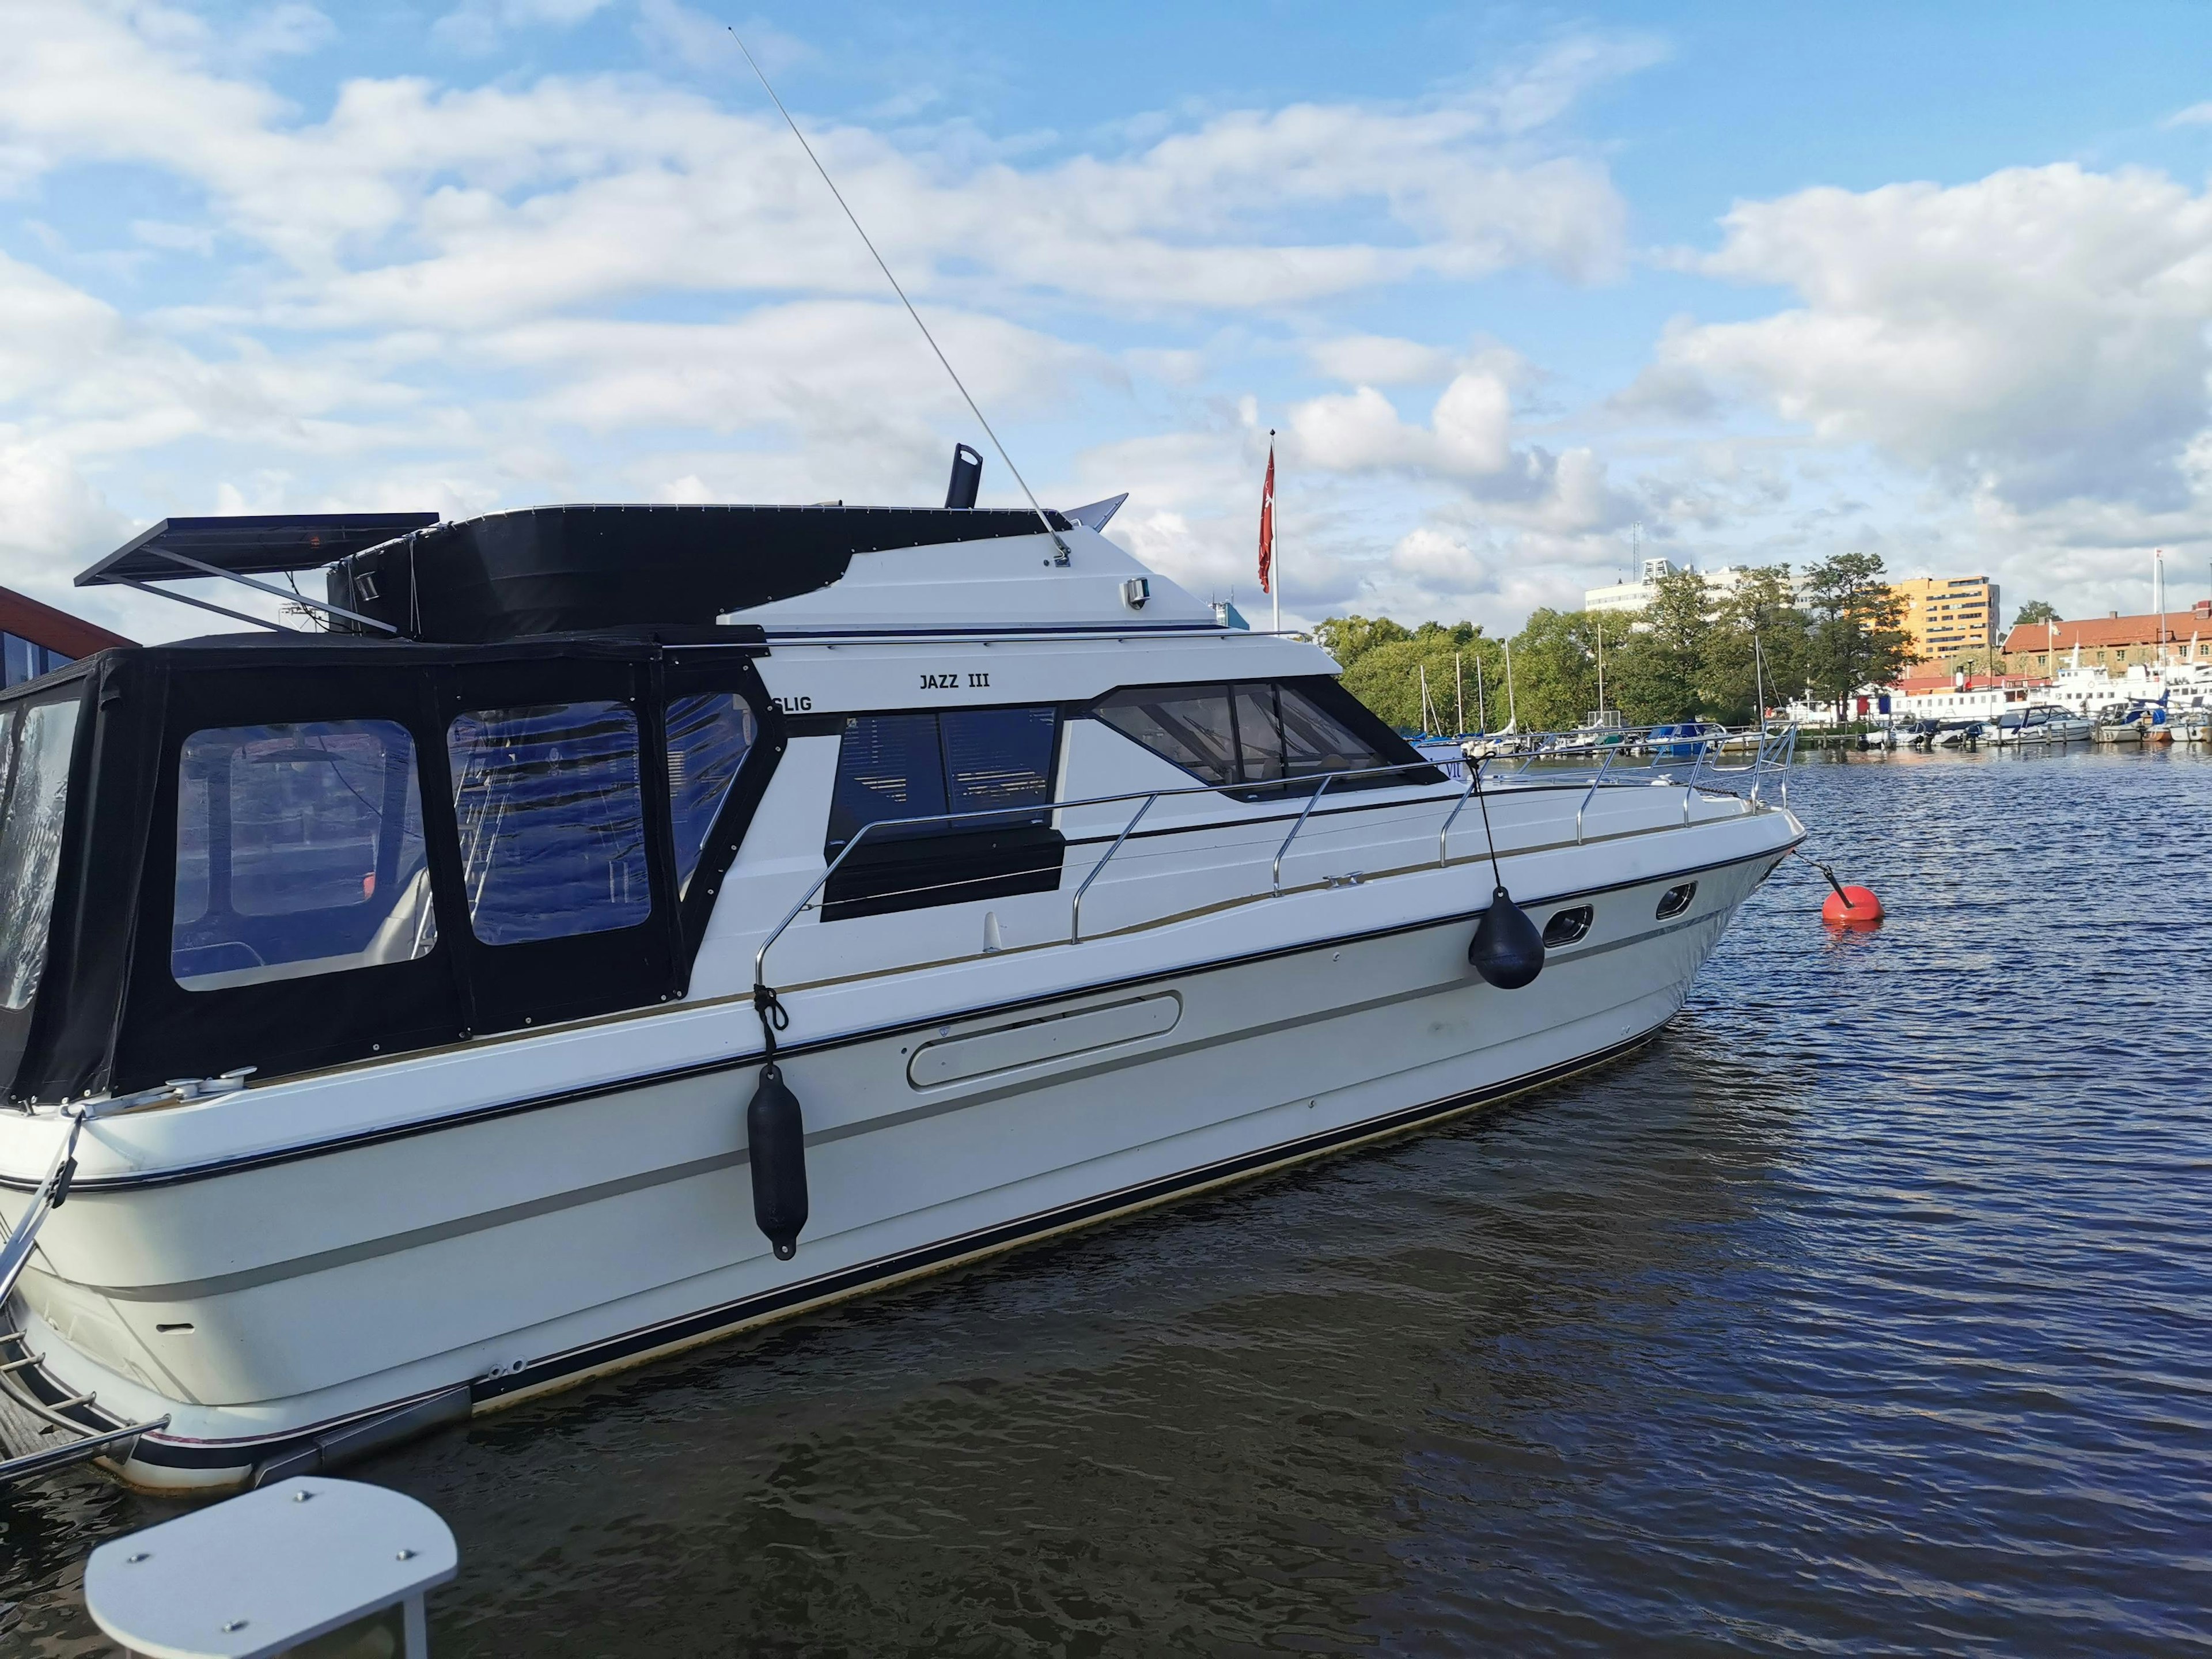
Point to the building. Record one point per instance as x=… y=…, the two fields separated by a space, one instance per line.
x=36 y=638
x=2112 y=641
x=1949 y=617
x=1634 y=596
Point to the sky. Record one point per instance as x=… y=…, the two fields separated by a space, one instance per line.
x=1519 y=289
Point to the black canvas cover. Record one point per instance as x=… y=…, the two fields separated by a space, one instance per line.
x=553 y=569
x=110 y=1013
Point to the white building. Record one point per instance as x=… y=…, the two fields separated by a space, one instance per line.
x=1634 y=596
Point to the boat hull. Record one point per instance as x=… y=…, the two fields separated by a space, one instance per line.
x=278 y=1313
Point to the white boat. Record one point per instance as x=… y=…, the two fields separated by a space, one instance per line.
x=640 y=923
x=2040 y=724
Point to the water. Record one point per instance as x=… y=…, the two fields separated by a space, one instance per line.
x=1869 y=1310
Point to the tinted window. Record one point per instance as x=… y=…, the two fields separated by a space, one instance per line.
x=964 y=760
x=34 y=788
x=299 y=852
x=1263 y=733
x=1189 y=725
x=889 y=766
x=709 y=738
x=998 y=757
x=551 y=821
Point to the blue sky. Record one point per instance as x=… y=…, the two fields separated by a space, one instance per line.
x=1514 y=283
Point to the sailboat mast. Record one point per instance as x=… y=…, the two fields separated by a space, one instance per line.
x=1459 y=691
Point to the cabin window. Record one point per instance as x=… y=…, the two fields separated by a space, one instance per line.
x=709 y=738
x=996 y=762
x=1263 y=731
x=958 y=761
x=1565 y=927
x=33 y=794
x=299 y=852
x=1676 y=900
x=551 y=819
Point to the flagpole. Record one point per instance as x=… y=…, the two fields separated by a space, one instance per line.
x=1275 y=559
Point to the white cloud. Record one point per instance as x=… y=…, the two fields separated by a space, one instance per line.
x=2040 y=334
x=1380 y=359
x=476 y=26
x=2196 y=115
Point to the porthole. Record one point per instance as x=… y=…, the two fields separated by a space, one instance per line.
x=1676 y=900
x=1568 y=926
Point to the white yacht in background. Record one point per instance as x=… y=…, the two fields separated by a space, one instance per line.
x=632 y=924
x=2039 y=725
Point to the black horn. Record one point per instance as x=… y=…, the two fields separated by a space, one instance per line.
x=967 y=477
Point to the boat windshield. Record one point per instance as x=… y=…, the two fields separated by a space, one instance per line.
x=35 y=764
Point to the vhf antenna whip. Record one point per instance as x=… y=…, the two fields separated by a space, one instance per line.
x=1060 y=546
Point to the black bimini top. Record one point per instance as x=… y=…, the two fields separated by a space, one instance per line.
x=550 y=569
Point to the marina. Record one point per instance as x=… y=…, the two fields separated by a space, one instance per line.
x=1710 y=1341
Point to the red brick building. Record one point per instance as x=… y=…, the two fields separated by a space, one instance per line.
x=2111 y=642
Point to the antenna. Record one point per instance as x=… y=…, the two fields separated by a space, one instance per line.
x=1061 y=546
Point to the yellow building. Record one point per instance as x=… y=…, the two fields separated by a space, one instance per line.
x=1948 y=617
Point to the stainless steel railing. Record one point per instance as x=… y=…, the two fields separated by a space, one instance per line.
x=1545 y=760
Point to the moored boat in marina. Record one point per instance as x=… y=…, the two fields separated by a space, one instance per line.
x=471 y=928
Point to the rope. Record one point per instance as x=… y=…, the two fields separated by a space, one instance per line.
x=1496 y=880
x=774 y=1017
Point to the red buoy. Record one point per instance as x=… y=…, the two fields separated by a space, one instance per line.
x=1852 y=907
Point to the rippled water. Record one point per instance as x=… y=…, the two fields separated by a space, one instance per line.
x=1866 y=1309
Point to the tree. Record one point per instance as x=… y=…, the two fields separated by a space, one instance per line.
x=1855 y=638
x=1661 y=670
x=1555 y=667
x=1756 y=658
x=1388 y=678
x=2036 y=611
x=1350 y=638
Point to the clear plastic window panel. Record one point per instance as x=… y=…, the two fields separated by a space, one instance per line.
x=998 y=757
x=1314 y=741
x=1188 y=725
x=35 y=789
x=889 y=766
x=299 y=852
x=709 y=738
x=1259 y=733
x=551 y=820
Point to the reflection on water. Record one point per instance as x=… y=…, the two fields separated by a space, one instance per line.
x=1865 y=1308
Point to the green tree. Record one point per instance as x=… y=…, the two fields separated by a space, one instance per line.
x=1855 y=638
x=1462 y=669
x=1660 y=673
x=2036 y=611
x=1350 y=638
x=1755 y=657
x=1555 y=666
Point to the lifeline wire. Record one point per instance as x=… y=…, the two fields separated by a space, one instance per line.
x=901 y=292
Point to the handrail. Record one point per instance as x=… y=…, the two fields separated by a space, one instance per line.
x=1534 y=746
x=1474 y=773
x=1604 y=767
x=1275 y=879
x=759 y=957
x=1075 y=917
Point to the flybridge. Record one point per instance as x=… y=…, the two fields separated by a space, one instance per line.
x=548 y=570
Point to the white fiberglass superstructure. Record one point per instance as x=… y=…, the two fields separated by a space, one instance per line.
x=471 y=930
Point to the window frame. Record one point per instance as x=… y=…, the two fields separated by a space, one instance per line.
x=21 y=1028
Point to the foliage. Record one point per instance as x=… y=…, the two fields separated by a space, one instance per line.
x=2036 y=611
x=1856 y=636
x=1465 y=674
x=1691 y=653
x=1350 y=638
x=1756 y=654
